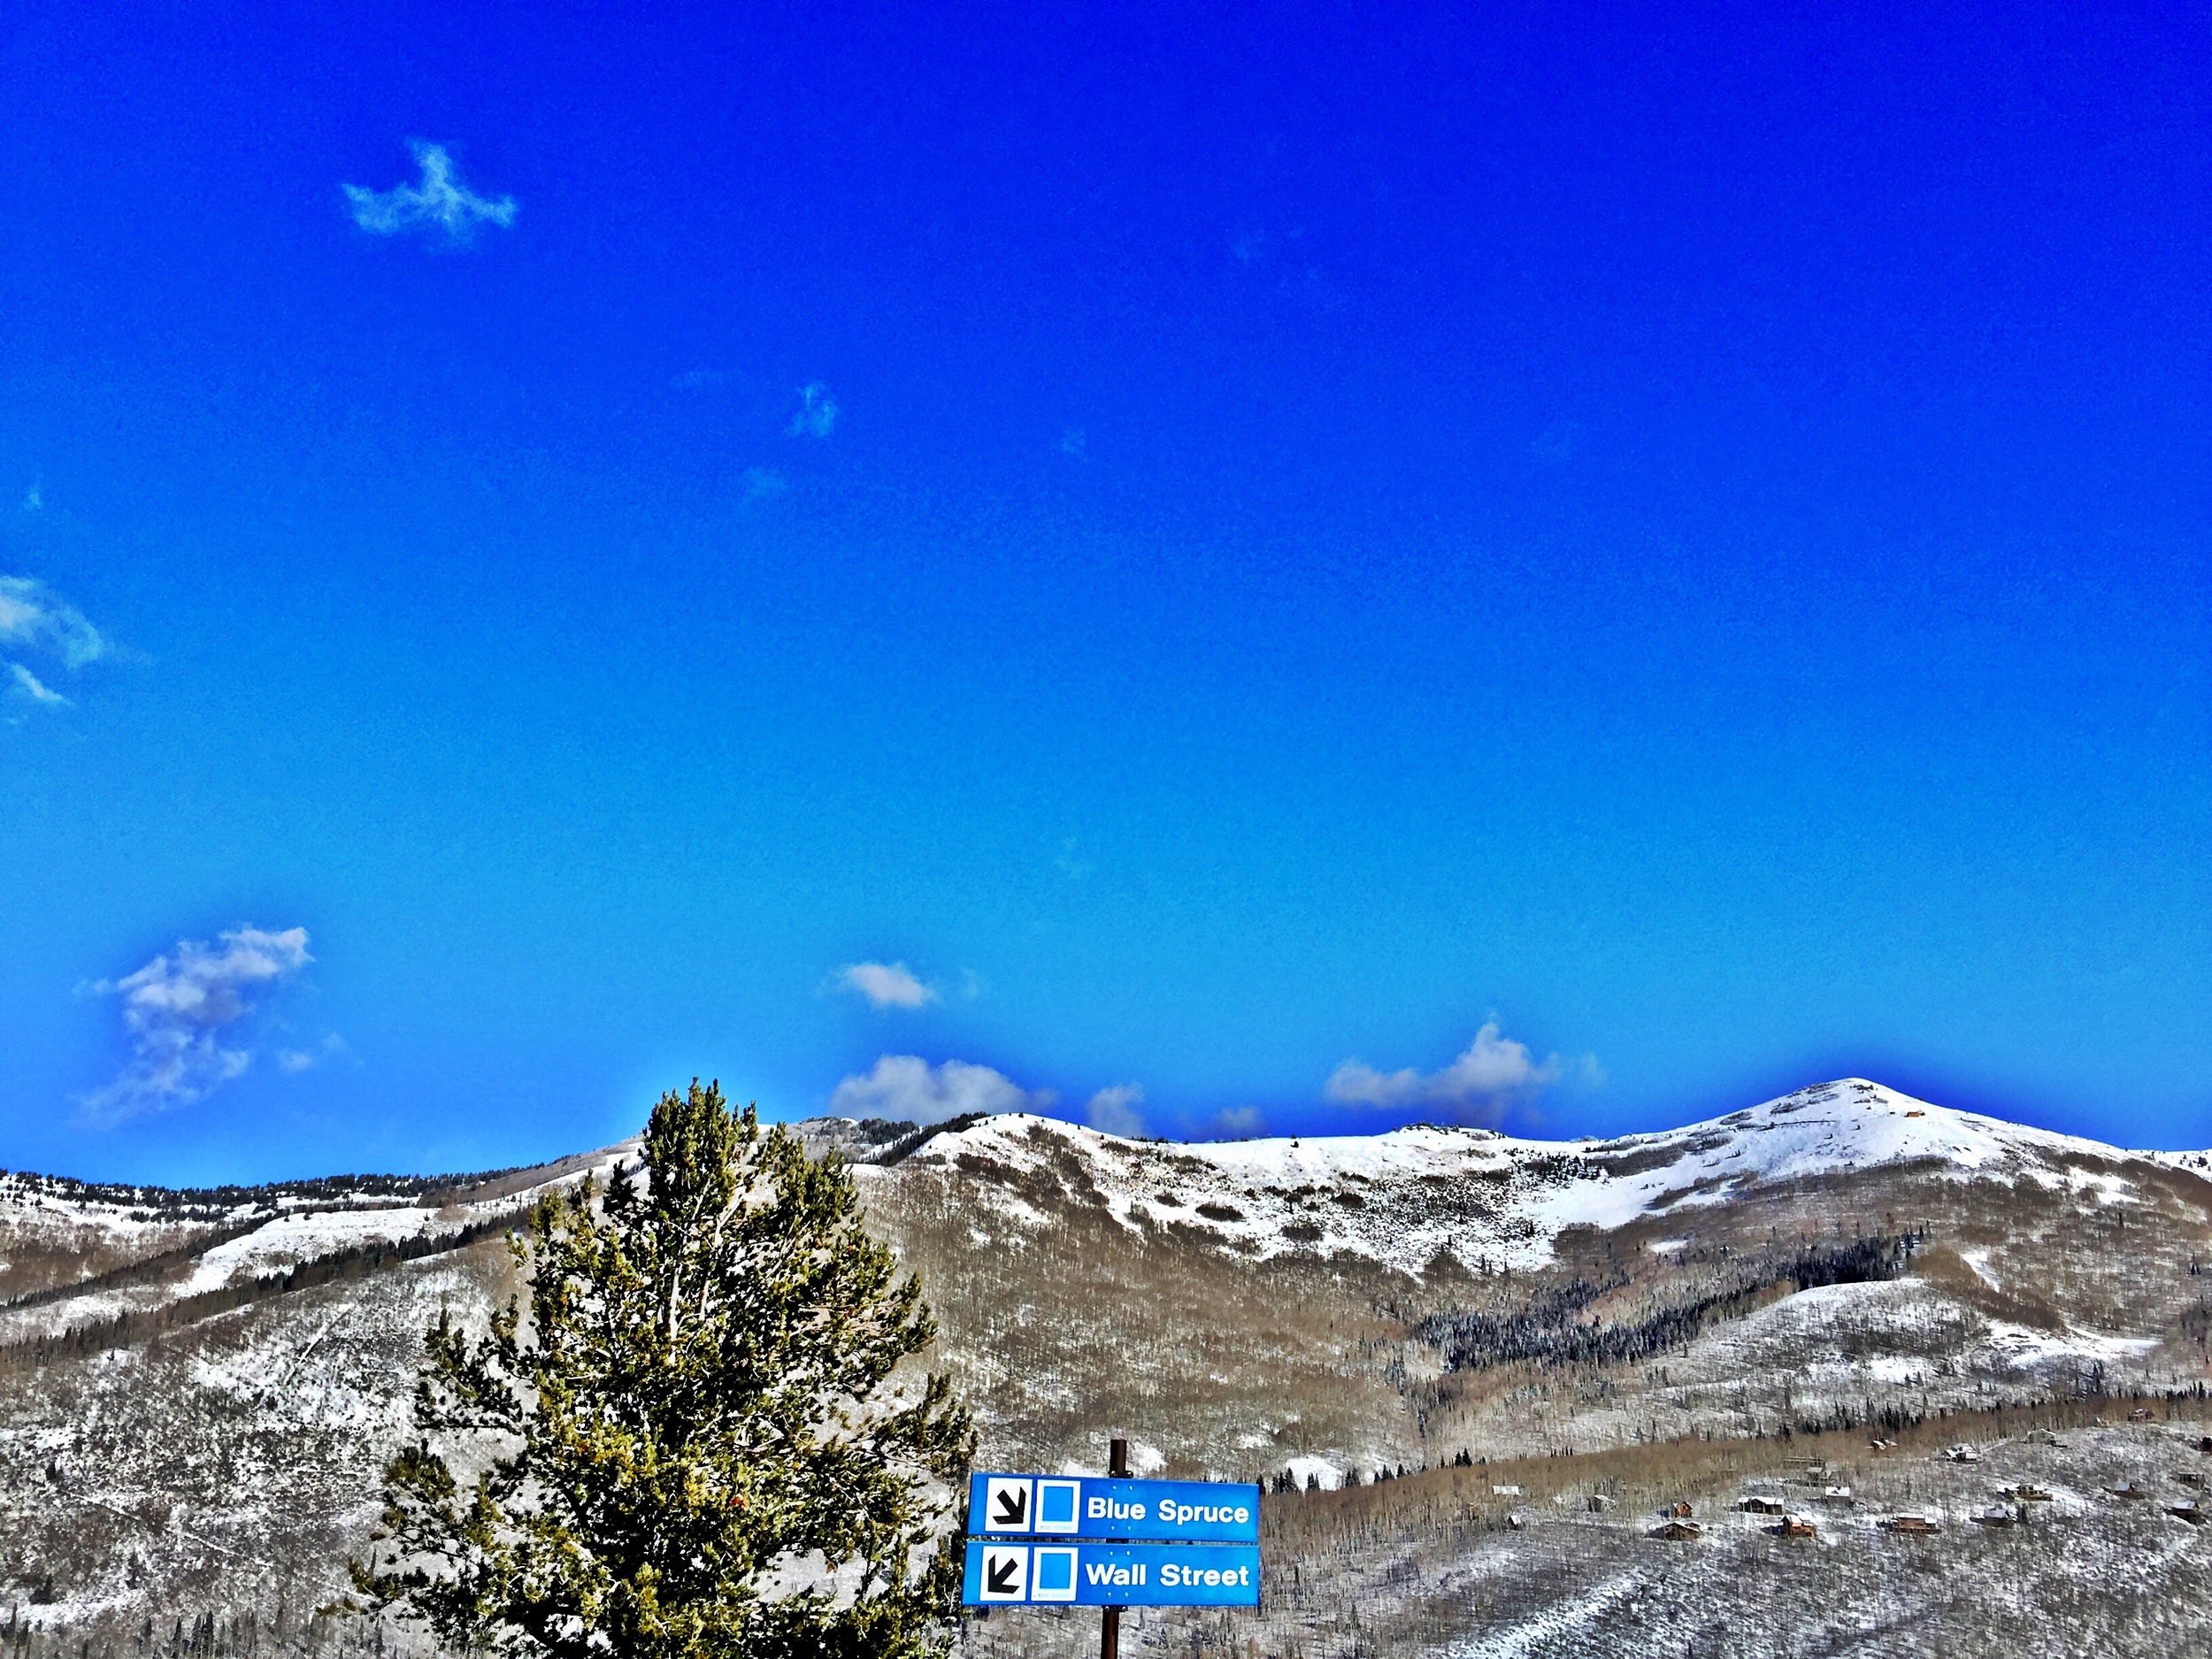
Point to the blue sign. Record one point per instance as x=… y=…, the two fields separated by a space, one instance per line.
x=1078 y=1506
x=1082 y=1574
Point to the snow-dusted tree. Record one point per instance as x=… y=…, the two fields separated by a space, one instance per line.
x=692 y=1442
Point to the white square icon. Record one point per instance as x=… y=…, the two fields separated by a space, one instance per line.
x=1051 y=1575
x=1006 y=1505
x=1006 y=1572
x=1057 y=1504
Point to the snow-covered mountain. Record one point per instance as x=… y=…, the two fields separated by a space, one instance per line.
x=198 y=1389
x=1492 y=1200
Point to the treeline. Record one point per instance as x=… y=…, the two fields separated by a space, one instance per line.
x=888 y=1143
x=1548 y=1332
x=138 y=1272
x=213 y=1203
x=355 y=1262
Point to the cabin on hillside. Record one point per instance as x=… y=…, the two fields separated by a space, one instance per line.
x=2192 y=1512
x=1677 y=1512
x=2130 y=1490
x=1960 y=1454
x=1913 y=1525
x=1756 y=1505
x=1678 y=1531
x=1795 y=1526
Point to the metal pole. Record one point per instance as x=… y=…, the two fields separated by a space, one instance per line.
x=1110 y=1620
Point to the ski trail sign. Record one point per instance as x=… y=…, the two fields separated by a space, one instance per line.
x=1138 y=1511
x=1083 y=1574
x=1076 y=1540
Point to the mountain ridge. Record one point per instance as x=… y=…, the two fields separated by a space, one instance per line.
x=1544 y=1186
x=195 y=1398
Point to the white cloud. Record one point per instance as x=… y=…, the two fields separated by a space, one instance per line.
x=34 y=688
x=439 y=202
x=906 y=1089
x=1493 y=1073
x=818 y=413
x=175 y=1010
x=32 y=500
x=1115 y=1110
x=1237 y=1123
x=33 y=616
x=761 y=481
x=885 y=983
x=297 y=1060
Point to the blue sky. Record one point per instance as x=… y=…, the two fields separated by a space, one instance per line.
x=1237 y=568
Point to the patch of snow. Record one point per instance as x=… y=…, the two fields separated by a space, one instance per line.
x=1540 y=1629
x=2022 y=1346
x=1304 y=1468
x=1978 y=1260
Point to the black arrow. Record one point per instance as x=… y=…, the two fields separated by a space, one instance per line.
x=1013 y=1505
x=1002 y=1574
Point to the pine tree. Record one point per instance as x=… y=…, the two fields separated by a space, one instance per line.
x=696 y=1414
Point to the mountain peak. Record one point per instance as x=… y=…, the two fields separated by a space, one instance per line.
x=1491 y=1199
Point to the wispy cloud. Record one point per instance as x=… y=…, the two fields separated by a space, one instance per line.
x=1116 y=1110
x=817 y=412
x=34 y=688
x=39 y=622
x=1237 y=1123
x=439 y=204
x=33 y=616
x=906 y=1089
x=1492 y=1074
x=331 y=1047
x=885 y=983
x=761 y=482
x=176 y=1009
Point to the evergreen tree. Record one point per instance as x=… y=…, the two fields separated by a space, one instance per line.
x=694 y=1413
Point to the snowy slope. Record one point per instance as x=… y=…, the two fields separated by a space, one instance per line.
x=1492 y=1199
x=137 y=1252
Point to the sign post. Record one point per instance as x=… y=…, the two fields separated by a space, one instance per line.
x=1110 y=1543
x=1109 y=1621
